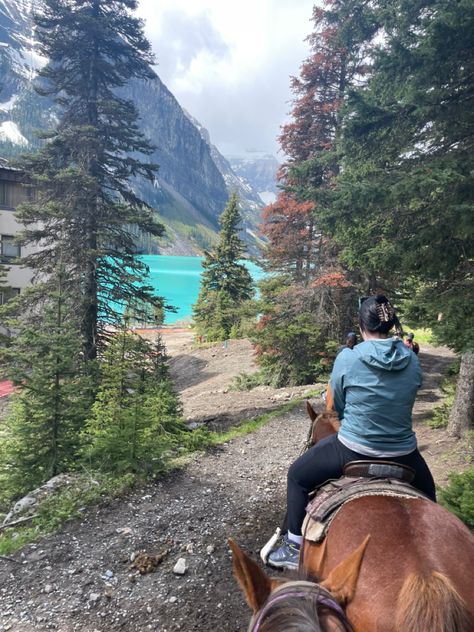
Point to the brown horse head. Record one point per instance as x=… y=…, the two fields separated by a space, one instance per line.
x=321 y=606
x=325 y=424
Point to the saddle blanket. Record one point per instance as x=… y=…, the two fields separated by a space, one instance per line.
x=329 y=498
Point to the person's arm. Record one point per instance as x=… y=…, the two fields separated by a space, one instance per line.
x=337 y=382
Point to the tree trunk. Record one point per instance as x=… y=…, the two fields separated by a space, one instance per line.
x=462 y=413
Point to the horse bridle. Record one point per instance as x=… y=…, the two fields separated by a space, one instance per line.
x=303 y=590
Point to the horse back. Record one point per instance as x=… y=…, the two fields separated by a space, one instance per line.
x=409 y=538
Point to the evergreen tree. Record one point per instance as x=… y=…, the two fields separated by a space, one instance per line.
x=313 y=302
x=293 y=244
x=403 y=203
x=226 y=284
x=85 y=204
x=339 y=44
x=135 y=420
x=6 y=293
x=41 y=432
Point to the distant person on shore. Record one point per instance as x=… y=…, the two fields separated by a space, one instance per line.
x=351 y=341
x=411 y=344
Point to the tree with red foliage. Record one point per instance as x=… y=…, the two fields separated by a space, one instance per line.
x=314 y=300
x=338 y=56
x=339 y=43
x=288 y=226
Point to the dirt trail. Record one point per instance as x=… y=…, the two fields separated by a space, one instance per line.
x=80 y=580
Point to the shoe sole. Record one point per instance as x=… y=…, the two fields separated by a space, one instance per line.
x=291 y=566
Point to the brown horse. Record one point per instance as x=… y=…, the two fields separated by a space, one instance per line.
x=285 y=606
x=418 y=569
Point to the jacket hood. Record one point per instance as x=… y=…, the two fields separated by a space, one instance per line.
x=389 y=354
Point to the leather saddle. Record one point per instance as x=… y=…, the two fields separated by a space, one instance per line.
x=360 y=478
x=379 y=469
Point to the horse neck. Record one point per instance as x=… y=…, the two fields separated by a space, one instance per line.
x=306 y=620
x=326 y=426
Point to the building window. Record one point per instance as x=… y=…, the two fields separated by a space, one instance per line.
x=14 y=193
x=6 y=193
x=8 y=293
x=9 y=248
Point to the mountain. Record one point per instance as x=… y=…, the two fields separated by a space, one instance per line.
x=194 y=179
x=260 y=171
x=251 y=203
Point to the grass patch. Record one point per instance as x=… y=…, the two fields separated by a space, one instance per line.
x=258 y=422
x=422 y=336
x=203 y=438
x=95 y=488
x=65 y=505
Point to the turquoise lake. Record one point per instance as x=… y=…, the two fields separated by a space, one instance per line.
x=178 y=279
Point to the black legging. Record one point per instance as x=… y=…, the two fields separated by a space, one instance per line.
x=325 y=460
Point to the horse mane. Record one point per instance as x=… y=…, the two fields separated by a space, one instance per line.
x=329 y=416
x=297 y=615
x=431 y=603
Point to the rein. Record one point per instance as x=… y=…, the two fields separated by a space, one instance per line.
x=304 y=590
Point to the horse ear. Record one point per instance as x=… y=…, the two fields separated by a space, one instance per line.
x=255 y=584
x=329 y=398
x=341 y=581
x=311 y=412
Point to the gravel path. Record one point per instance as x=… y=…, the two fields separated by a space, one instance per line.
x=81 y=579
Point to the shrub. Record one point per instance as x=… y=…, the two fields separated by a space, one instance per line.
x=440 y=414
x=248 y=381
x=295 y=338
x=458 y=496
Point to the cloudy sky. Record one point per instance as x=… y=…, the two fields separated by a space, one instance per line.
x=229 y=63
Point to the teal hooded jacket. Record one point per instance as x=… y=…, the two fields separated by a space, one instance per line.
x=374 y=387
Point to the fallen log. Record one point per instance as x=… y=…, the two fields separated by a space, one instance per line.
x=17 y=522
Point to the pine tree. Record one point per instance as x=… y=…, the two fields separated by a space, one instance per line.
x=293 y=244
x=314 y=299
x=44 y=360
x=226 y=284
x=339 y=48
x=6 y=292
x=85 y=203
x=135 y=420
x=403 y=203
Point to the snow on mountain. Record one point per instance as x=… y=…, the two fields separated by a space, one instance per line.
x=9 y=132
x=19 y=59
x=260 y=170
x=8 y=105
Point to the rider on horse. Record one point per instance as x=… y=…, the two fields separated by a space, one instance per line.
x=374 y=387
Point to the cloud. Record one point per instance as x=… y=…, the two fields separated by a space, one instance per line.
x=229 y=64
x=188 y=38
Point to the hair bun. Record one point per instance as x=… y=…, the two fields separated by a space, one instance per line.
x=377 y=314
